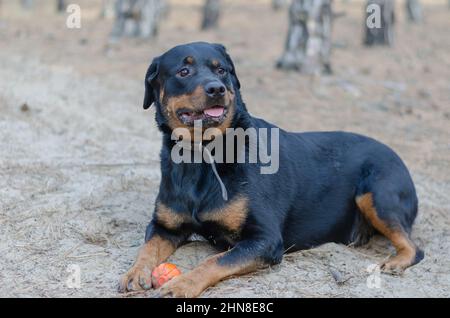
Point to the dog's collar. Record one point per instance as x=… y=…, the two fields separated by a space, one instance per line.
x=200 y=147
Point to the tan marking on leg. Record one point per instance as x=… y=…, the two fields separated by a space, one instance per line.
x=232 y=216
x=406 y=250
x=170 y=219
x=151 y=254
x=207 y=274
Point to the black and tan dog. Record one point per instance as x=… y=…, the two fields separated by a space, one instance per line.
x=330 y=187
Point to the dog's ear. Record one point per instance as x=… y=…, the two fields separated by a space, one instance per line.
x=151 y=85
x=223 y=50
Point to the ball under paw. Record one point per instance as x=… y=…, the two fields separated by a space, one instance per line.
x=163 y=273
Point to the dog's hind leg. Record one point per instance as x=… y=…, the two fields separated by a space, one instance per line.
x=390 y=219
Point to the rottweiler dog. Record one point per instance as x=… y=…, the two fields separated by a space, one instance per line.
x=329 y=186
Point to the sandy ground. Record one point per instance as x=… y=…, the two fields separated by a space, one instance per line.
x=79 y=164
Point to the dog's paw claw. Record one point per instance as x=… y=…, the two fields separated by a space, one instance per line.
x=393 y=268
x=135 y=280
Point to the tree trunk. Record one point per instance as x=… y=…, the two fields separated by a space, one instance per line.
x=61 y=5
x=27 y=4
x=107 y=10
x=279 y=4
x=308 y=45
x=414 y=10
x=138 y=18
x=211 y=14
x=379 y=22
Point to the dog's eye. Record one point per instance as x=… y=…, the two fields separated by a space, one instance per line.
x=183 y=72
x=221 y=71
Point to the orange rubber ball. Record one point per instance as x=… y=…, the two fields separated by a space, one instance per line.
x=163 y=273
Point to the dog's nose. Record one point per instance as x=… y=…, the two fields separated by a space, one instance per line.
x=215 y=89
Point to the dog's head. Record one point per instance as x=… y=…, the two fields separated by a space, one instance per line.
x=193 y=82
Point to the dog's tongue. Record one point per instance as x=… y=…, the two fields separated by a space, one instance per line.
x=215 y=111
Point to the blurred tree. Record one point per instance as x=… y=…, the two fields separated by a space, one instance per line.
x=308 y=44
x=414 y=10
x=211 y=14
x=138 y=18
x=61 y=5
x=107 y=9
x=27 y=4
x=379 y=25
x=279 y=4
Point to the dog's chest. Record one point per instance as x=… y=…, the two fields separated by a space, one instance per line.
x=217 y=235
x=223 y=225
x=218 y=225
x=191 y=198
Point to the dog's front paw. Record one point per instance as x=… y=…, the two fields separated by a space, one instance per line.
x=394 y=267
x=180 y=287
x=137 y=278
